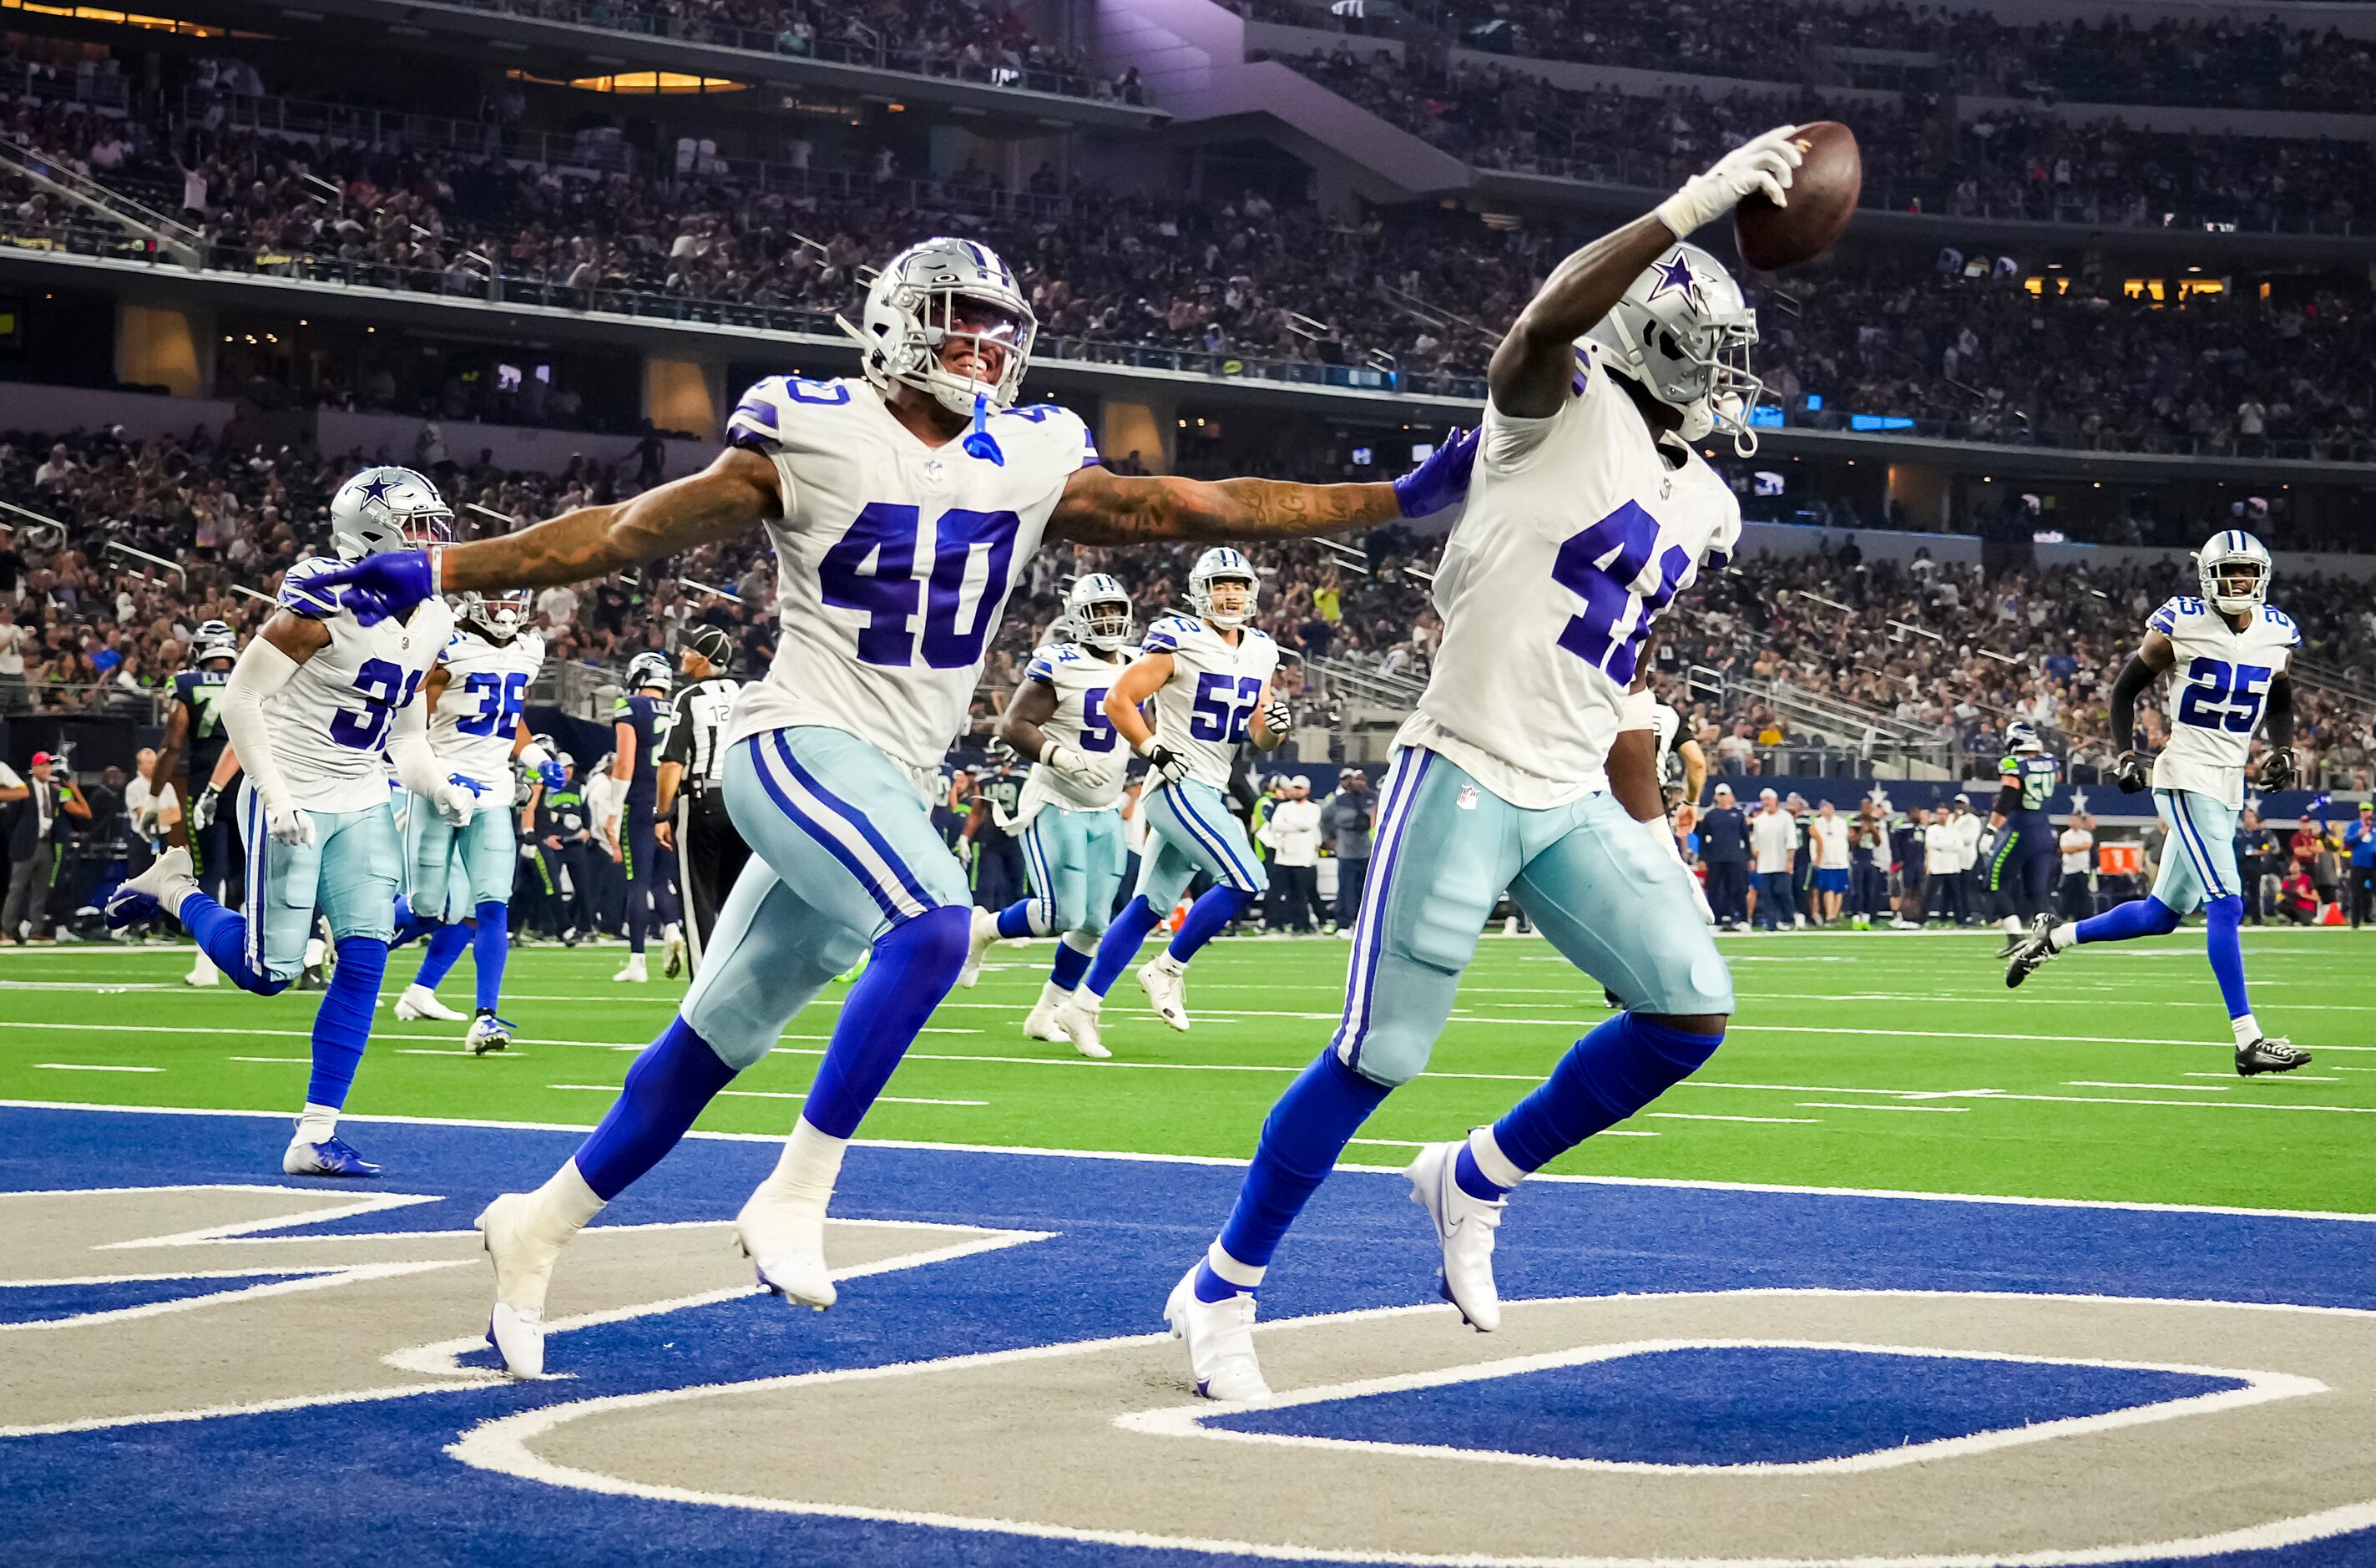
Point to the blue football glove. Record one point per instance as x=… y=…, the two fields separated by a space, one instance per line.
x=551 y=775
x=1440 y=482
x=386 y=587
x=471 y=784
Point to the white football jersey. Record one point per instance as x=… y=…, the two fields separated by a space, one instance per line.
x=893 y=559
x=476 y=718
x=2217 y=692
x=1201 y=713
x=330 y=723
x=1577 y=536
x=1081 y=679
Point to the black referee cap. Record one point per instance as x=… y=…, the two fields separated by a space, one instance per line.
x=711 y=643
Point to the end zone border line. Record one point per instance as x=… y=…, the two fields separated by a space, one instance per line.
x=1686 y=1183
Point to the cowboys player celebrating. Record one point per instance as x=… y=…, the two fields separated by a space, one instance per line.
x=2233 y=648
x=1071 y=810
x=1528 y=766
x=475 y=696
x=901 y=506
x=317 y=706
x=1209 y=681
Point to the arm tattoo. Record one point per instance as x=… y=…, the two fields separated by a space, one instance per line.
x=1102 y=508
x=593 y=541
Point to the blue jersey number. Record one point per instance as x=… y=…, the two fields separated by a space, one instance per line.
x=385 y=687
x=1215 y=716
x=1607 y=589
x=872 y=569
x=1097 y=730
x=500 y=697
x=2223 y=696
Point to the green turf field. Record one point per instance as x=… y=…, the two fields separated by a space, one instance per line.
x=1879 y=1062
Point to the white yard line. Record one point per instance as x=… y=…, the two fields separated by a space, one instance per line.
x=91 y=1067
x=1846 y=1105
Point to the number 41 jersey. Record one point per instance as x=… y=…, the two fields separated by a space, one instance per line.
x=1577 y=536
x=330 y=723
x=2217 y=692
x=893 y=559
x=476 y=721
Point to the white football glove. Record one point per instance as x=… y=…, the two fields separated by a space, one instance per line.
x=202 y=810
x=455 y=800
x=1766 y=164
x=288 y=824
x=1082 y=769
x=1278 y=717
x=1165 y=761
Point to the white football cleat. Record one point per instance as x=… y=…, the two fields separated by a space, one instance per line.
x=784 y=1239
x=487 y=1033
x=1080 y=1025
x=203 y=972
x=419 y=1001
x=1167 y=990
x=1045 y=1021
x=1220 y=1340
x=983 y=931
x=633 y=970
x=1465 y=1226
x=523 y=1273
x=673 y=951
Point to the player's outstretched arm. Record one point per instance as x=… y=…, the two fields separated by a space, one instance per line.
x=1099 y=507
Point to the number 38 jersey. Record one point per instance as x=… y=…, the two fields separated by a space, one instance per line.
x=2217 y=692
x=476 y=721
x=893 y=559
x=1080 y=680
x=330 y=723
x=1201 y=713
x=1578 y=534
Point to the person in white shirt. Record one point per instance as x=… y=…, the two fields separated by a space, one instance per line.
x=1773 y=854
x=1827 y=841
x=1969 y=825
x=2078 y=845
x=1942 y=853
x=1292 y=835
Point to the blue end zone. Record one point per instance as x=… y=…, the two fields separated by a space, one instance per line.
x=44 y=1303
x=1731 y=1404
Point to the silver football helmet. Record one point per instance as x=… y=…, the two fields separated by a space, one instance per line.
x=649 y=669
x=500 y=614
x=931 y=294
x=2233 y=553
x=215 y=639
x=1683 y=330
x=1099 y=609
x=387 y=508
x=1221 y=564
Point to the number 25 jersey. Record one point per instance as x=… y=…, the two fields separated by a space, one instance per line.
x=893 y=559
x=1577 y=536
x=2217 y=693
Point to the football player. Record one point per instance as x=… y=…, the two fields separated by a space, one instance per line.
x=641 y=719
x=1528 y=764
x=195 y=723
x=475 y=696
x=1070 y=811
x=316 y=707
x=1208 y=681
x=902 y=505
x=2021 y=867
x=2231 y=646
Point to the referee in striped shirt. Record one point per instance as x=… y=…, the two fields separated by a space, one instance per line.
x=690 y=797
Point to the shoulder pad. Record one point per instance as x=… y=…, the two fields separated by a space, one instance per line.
x=1060 y=422
x=1165 y=635
x=620 y=709
x=306 y=601
x=2164 y=620
x=760 y=419
x=2010 y=765
x=2282 y=622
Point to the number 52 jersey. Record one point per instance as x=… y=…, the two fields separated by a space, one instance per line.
x=2217 y=693
x=1578 y=534
x=893 y=559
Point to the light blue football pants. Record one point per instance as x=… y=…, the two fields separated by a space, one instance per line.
x=842 y=849
x=1591 y=878
x=2198 y=863
x=1076 y=859
x=352 y=871
x=1190 y=829
x=451 y=871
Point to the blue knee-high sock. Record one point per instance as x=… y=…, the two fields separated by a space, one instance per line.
x=1605 y=1077
x=1300 y=1140
x=2224 y=915
x=441 y=952
x=1070 y=965
x=915 y=965
x=222 y=935
x=344 y=1023
x=2123 y=922
x=667 y=1084
x=489 y=948
x=1015 y=920
x=1207 y=916
x=1120 y=944
x=412 y=925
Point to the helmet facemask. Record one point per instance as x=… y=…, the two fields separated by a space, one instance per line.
x=1683 y=332
x=500 y=616
x=1102 y=615
x=2234 y=568
x=941 y=295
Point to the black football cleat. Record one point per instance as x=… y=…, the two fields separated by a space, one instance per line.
x=2030 y=952
x=2267 y=1056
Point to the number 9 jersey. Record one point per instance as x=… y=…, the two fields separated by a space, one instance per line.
x=476 y=721
x=2217 y=693
x=330 y=723
x=1577 y=536
x=893 y=559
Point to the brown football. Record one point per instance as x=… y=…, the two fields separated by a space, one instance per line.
x=1823 y=198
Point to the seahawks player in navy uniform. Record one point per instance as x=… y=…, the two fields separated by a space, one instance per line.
x=2021 y=868
x=642 y=720
x=197 y=724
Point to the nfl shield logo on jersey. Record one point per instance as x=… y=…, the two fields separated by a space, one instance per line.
x=1466 y=800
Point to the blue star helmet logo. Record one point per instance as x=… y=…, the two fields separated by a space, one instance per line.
x=1676 y=273
x=377 y=489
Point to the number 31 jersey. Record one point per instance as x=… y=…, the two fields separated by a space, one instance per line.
x=2217 y=692
x=330 y=723
x=476 y=721
x=893 y=559
x=1577 y=536
x=1080 y=680
x=1201 y=713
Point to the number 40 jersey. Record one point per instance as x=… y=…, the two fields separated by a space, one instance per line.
x=2217 y=692
x=1578 y=534
x=476 y=721
x=893 y=559
x=330 y=723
